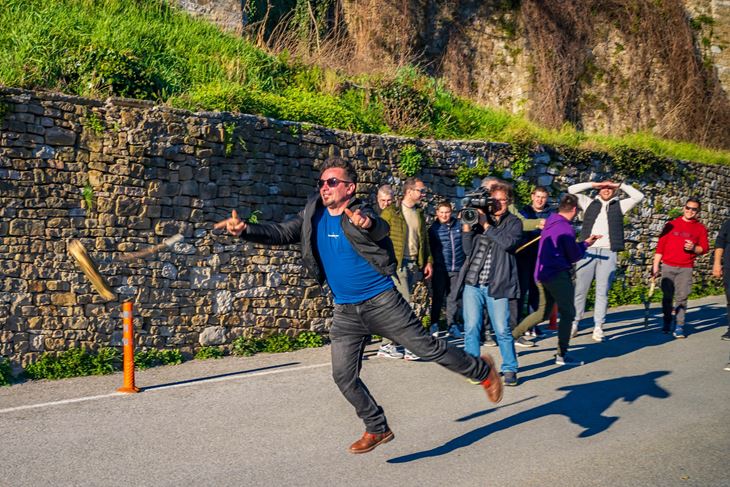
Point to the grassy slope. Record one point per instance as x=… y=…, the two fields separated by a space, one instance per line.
x=145 y=49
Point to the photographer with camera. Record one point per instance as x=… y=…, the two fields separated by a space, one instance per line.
x=489 y=276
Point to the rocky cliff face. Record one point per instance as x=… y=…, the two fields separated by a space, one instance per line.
x=608 y=66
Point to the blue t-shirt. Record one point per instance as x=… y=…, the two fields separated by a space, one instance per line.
x=351 y=278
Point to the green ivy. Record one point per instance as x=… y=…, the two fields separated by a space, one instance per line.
x=153 y=357
x=228 y=142
x=87 y=193
x=411 y=160
x=209 y=352
x=674 y=213
x=247 y=346
x=74 y=362
x=639 y=162
x=6 y=374
x=309 y=339
x=94 y=123
x=253 y=217
x=465 y=174
x=279 y=343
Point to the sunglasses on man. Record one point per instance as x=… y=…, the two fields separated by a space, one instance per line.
x=692 y=208
x=331 y=182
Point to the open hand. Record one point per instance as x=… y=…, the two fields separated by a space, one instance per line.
x=358 y=219
x=234 y=225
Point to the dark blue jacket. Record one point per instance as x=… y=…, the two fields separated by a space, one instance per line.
x=446 y=247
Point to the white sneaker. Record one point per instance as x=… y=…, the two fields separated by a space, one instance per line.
x=455 y=332
x=389 y=351
x=598 y=335
x=411 y=356
x=574 y=331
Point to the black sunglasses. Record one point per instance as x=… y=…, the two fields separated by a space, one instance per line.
x=692 y=208
x=331 y=182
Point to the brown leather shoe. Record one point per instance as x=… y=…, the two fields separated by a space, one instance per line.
x=492 y=384
x=370 y=441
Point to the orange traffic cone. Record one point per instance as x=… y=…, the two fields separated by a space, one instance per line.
x=553 y=318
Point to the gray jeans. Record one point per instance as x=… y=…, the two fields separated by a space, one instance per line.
x=388 y=315
x=601 y=264
x=676 y=285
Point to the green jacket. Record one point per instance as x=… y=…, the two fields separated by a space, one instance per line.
x=527 y=224
x=399 y=233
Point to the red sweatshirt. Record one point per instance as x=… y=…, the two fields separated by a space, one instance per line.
x=671 y=242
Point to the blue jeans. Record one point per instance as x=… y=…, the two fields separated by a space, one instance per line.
x=473 y=301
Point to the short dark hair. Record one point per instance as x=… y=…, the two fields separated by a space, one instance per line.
x=568 y=202
x=694 y=199
x=331 y=162
x=410 y=183
x=504 y=187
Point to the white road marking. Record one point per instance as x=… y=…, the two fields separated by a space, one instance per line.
x=193 y=382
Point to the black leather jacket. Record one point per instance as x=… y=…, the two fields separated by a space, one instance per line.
x=372 y=244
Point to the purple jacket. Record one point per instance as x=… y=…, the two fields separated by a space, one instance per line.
x=557 y=250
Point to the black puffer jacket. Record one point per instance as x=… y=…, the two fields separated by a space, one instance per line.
x=504 y=238
x=372 y=244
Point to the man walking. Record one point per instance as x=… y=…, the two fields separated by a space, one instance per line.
x=409 y=235
x=681 y=241
x=489 y=278
x=447 y=251
x=556 y=254
x=722 y=252
x=603 y=215
x=345 y=243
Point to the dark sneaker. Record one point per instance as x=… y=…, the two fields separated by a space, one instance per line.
x=492 y=384
x=489 y=341
x=510 y=378
x=370 y=441
x=524 y=343
x=537 y=331
x=679 y=332
x=726 y=336
x=567 y=360
x=666 y=329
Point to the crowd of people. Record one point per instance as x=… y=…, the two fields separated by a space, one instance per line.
x=502 y=274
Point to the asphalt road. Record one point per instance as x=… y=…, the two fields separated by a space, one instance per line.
x=645 y=410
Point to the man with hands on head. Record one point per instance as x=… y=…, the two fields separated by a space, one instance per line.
x=345 y=243
x=603 y=215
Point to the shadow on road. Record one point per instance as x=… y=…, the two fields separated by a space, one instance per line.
x=583 y=405
x=624 y=338
x=212 y=377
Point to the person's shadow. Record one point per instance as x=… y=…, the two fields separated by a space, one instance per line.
x=583 y=405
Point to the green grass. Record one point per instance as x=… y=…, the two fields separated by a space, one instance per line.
x=146 y=49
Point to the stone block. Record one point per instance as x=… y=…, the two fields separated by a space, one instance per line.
x=60 y=136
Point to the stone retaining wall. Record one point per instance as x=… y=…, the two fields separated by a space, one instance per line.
x=150 y=172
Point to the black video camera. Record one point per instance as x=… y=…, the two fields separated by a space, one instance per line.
x=478 y=199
